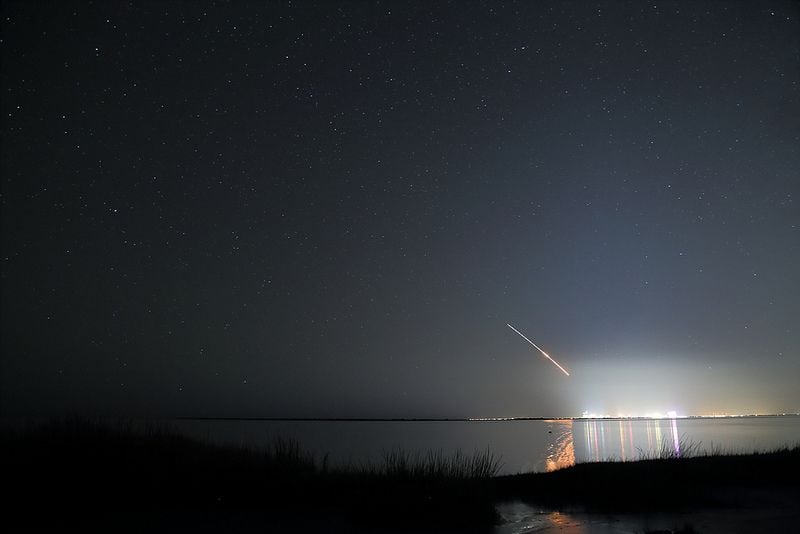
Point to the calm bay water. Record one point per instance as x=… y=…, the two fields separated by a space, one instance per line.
x=522 y=445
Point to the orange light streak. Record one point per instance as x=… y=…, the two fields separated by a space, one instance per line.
x=537 y=348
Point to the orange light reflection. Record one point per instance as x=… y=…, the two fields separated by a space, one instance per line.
x=562 y=453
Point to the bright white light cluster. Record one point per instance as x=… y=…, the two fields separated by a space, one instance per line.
x=671 y=414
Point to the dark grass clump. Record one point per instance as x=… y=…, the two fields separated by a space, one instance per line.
x=72 y=472
x=689 y=479
x=400 y=464
x=457 y=488
x=78 y=468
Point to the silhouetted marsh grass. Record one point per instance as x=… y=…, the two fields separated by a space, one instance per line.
x=120 y=465
x=455 y=489
x=75 y=467
x=673 y=477
x=436 y=464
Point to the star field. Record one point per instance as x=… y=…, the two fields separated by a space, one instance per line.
x=333 y=209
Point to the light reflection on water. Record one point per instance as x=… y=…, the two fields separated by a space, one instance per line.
x=561 y=451
x=614 y=440
x=522 y=445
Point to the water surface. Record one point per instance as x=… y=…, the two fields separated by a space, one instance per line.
x=523 y=445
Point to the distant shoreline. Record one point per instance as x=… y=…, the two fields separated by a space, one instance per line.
x=466 y=420
x=10 y=419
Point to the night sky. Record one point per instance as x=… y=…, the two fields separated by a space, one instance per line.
x=333 y=209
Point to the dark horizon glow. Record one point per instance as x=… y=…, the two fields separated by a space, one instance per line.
x=330 y=209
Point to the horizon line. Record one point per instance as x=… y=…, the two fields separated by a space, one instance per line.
x=472 y=419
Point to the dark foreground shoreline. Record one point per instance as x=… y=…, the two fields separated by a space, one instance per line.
x=87 y=476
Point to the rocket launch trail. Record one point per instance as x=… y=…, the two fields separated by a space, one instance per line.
x=537 y=348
